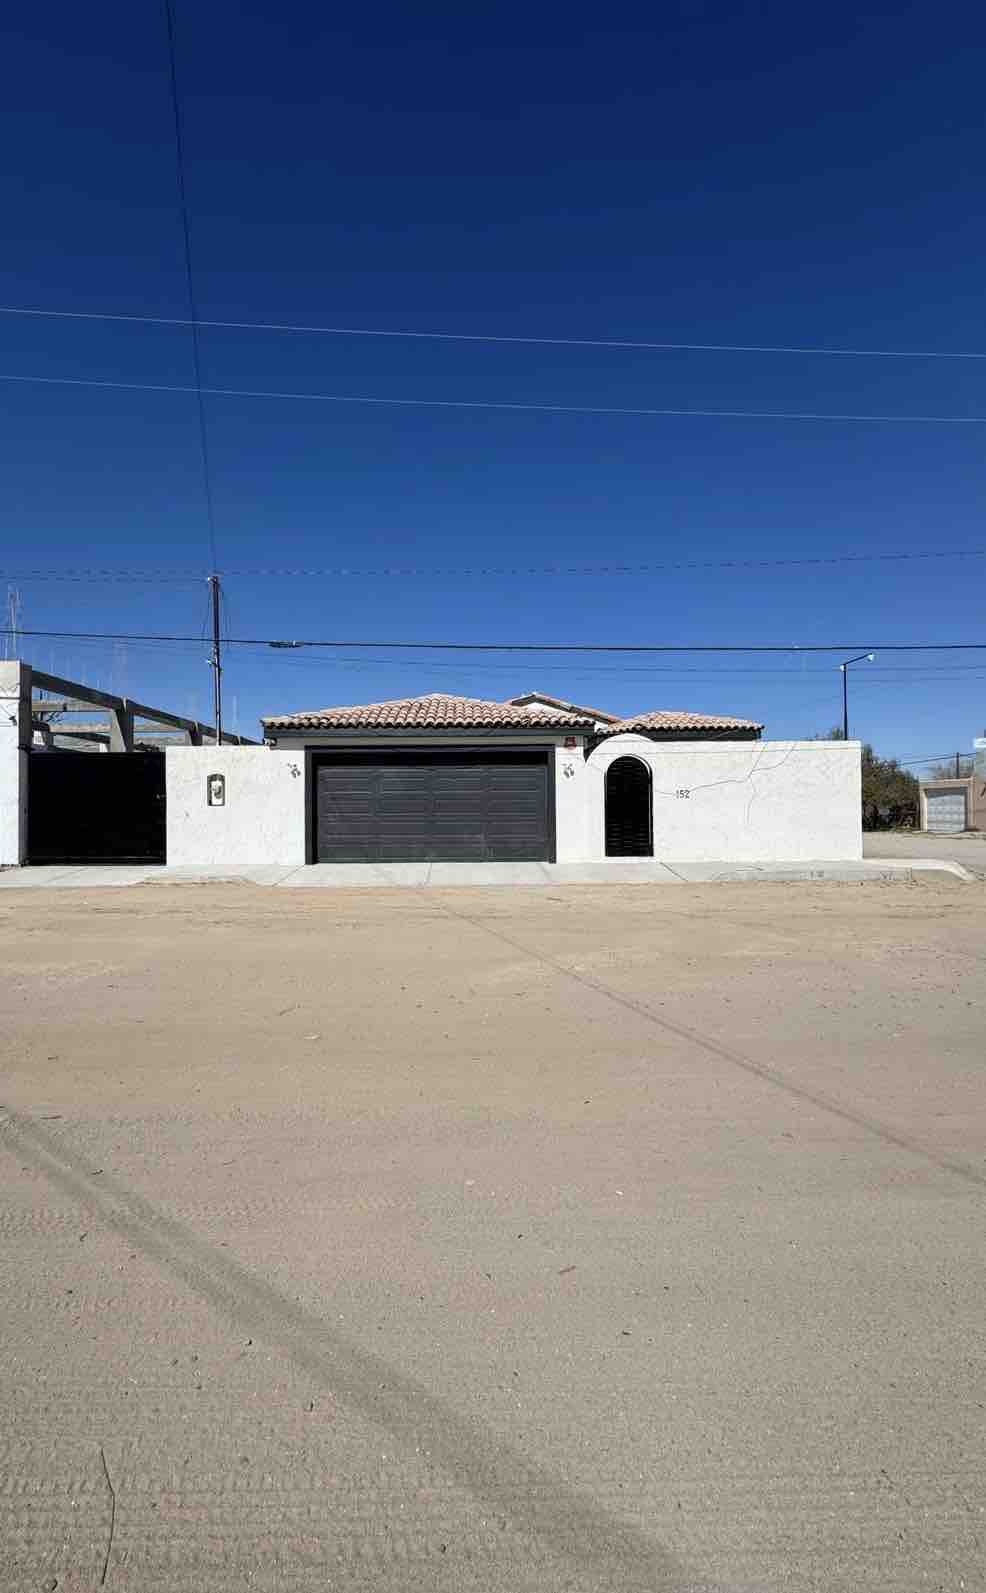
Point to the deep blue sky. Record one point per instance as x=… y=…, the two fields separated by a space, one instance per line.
x=768 y=173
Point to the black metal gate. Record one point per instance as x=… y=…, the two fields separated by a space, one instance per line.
x=96 y=807
x=629 y=825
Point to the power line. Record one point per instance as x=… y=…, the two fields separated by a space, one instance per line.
x=189 y=278
x=939 y=757
x=360 y=664
x=503 y=405
x=492 y=337
x=774 y=677
x=902 y=675
x=402 y=572
x=429 y=571
x=98 y=577
x=792 y=648
x=675 y=677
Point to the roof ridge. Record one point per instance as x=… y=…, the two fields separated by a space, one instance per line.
x=523 y=699
x=450 y=710
x=432 y=710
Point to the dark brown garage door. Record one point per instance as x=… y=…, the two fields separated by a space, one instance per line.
x=433 y=805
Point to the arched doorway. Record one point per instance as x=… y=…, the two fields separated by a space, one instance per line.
x=629 y=828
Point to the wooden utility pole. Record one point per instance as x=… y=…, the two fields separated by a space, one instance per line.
x=216 y=661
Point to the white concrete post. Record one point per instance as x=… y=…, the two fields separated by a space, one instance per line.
x=15 y=742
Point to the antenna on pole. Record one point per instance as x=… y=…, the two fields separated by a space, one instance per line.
x=216 y=661
x=13 y=620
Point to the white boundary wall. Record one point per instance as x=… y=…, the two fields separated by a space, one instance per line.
x=747 y=802
x=15 y=739
x=263 y=818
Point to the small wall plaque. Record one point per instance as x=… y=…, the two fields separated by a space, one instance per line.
x=215 y=790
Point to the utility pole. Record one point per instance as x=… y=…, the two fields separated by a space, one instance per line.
x=216 y=661
x=958 y=775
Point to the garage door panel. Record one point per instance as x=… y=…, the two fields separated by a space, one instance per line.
x=429 y=806
x=515 y=812
x=945 y=811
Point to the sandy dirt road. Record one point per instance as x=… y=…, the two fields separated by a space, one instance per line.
x=580 y=1239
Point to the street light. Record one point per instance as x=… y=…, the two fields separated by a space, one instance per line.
x=845 y=689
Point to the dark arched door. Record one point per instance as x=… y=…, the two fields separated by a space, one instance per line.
x=629 y=831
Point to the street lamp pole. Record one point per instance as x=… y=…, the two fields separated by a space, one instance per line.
x=845 y=689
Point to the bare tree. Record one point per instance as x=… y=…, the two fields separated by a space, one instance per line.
x=957 y=768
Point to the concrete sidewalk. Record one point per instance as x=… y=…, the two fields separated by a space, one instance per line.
x=614 y=871
x=967 y=849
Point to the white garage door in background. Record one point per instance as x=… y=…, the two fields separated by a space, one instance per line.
x=946 y=811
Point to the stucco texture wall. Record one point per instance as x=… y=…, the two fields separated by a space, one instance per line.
x=263 y=819
x=573 y=783
x=768 y=801
x=749 y=802
x=15 y=738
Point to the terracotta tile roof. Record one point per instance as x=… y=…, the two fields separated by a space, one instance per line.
x=437 y=710
x=681 y=719
x=534 y=699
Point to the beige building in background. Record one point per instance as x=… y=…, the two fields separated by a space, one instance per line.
x=949 y=806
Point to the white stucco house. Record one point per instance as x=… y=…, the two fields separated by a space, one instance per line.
x=534 y=778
